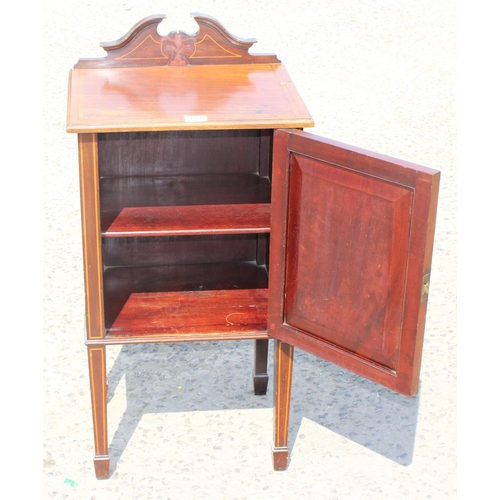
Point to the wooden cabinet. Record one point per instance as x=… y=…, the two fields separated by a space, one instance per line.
x=208 y=214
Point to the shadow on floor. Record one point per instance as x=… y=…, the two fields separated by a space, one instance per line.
x=207 y=376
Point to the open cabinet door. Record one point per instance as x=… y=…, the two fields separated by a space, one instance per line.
x=351 y=245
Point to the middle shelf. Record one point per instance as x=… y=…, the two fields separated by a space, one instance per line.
x=184 y=205
x=191 y=220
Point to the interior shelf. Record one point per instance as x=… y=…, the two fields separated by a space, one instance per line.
x=197 y=315
x=191 y=220
x=119 y=193
x=185 y=302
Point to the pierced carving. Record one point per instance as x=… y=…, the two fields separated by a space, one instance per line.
x=143 y=46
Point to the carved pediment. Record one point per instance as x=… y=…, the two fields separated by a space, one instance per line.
x=144 y=46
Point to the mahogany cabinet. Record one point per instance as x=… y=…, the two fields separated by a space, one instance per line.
x=208 y=214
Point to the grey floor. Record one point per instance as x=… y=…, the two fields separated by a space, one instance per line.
x=183 y=421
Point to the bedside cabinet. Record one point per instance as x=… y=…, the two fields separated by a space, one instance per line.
x=208 y=214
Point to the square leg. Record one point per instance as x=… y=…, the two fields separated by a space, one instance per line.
x=260 y=376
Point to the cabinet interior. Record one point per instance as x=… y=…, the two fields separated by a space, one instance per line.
x=185 y=221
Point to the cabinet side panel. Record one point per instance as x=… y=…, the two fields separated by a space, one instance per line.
x=179 y=152
x=91 y=234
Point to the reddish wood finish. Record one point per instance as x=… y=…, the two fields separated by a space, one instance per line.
x=282 y=389
x=351 y=241
x=143 y=46
x=197 y=315
x=118 y=193
x=175 y=148
x=191 y=220
x=98 y=390
x=91 y=233
x=360 y=227
x=244 y=96
x=120 y=283
x=101 y=466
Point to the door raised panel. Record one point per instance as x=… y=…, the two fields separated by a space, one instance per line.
x=349 y=251
x=358 y=227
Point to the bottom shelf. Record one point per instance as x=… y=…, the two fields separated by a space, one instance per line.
x=191 y=316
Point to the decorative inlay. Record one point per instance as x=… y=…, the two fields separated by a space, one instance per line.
x=148 y=46
x=210 y=48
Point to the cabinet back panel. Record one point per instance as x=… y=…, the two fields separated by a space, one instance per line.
x=180 y=152
x=179 y=250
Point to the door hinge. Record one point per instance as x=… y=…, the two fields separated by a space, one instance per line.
x=425 y=287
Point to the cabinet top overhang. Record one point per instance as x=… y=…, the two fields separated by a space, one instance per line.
x=184 y=97
x=203 y=81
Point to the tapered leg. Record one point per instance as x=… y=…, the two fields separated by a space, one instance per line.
x=260 y=376
x=98 y=391
x=282 y=388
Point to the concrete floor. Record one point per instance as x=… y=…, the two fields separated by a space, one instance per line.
x=183 y=421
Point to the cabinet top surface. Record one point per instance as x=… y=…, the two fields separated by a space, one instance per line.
x=184 y=97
